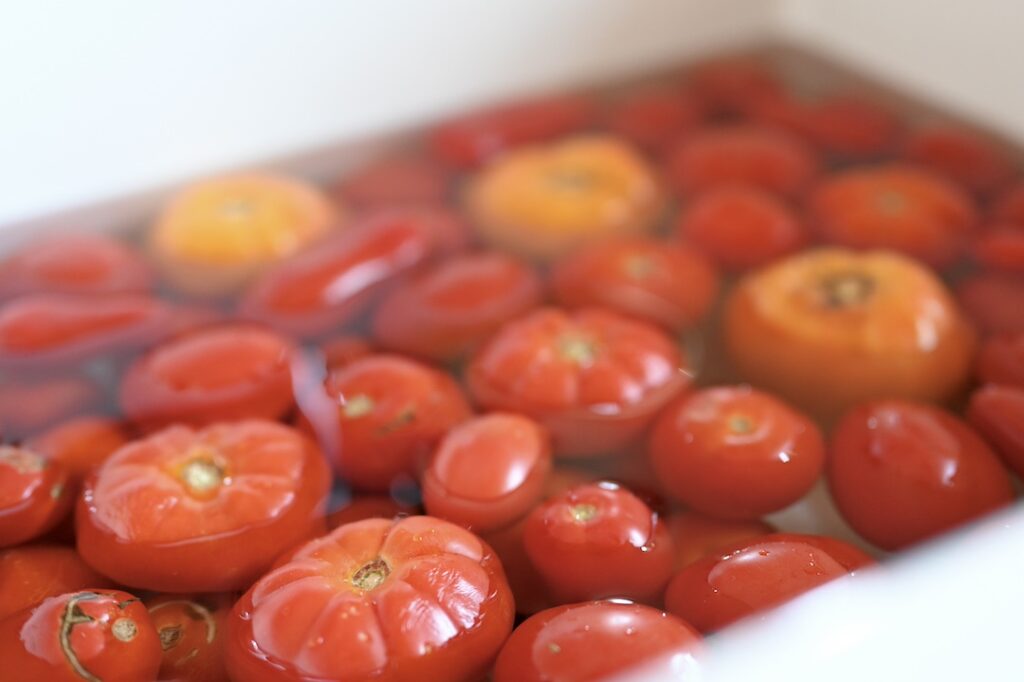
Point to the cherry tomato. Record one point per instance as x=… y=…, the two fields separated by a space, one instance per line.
x=1001 y=360
x=324 y=289
x=593 y=378
x=231 y=371
x=741 y=227
x=997 y=412
x=80 y=444
x=28 y=406
x=735 y=85
x=757 y=575
x=191 y=633
x=653 y=117
x=413 y=599
x=202 y=511
x=741 y=154
x=525 y=581
x=667 y=284
x=735 y=453
x=894 y=206
x=993 y=302
x=30 y=574
x=73 y=264
x=343 y=349
x=695 y=537
x=386 y=413
x=968 y=159
x=842 y=125
x=88 y=635
x=362 y=507
x=599 y=540
x=449 y=309
x=392 y=181
x=1000 y=248
x=487 y=472
x=34 y=495
x=1009 y=205
x=597 y=640
x=902 y=472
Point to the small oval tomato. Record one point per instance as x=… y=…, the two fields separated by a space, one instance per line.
x=393 y=181
x=326 y=288
x=734 y=85
x=28 y=406
x=668 y=284
x=413 y=599
x=598 y=640
x=343 y=349
x=966 y=158
x=231 y=371
x=903 y=472
x=741 y=227
x=993 y=302
x=450 y=308
x=599 y=540
x=202 y=511
x=191 y=633
x=1000 y=248
x=80 y=445
x=695 y=537
x=34 y=495
x=593 y=378
x=997 y=412
x=845 y=125
x=30 y=574
x=1008 y=206
x=88 y=635
x=653 y=117
x=735 y=453
x=1001 y=360
x=757 y=575
x=487 y=472
x=362 y=507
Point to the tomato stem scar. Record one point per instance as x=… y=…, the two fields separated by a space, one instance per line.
x=371 y=575
x=194 y=611
x=845 y=290
x=358 y=406
x=577 y=350
x=741 y=424
x=202 y=475
x=583 y=513
x=124 y=629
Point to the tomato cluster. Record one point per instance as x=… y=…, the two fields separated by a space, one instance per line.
x=519 y=402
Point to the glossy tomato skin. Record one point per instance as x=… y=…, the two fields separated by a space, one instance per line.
x=448 y=310
x=398 y=180
x=591 y=641
x=992 y=301
x=735 y=453
x=231 y=371
x=85 y=635
x=755 y=575
x=695 y=536
x=488 y=472
x=191 y=633
x=1008 y=206
x=1001 y=360
x=32 y=573
x=903 y=472
x=1000 y=248
x=595 y=379
x=653 y=117
x=596 y=541
x=80 y=444
x=342 y=349
x=208 y=510
x=34 y=494
x=967 y=159
x=27 y=406
x=423 y=600
x=997 y=412
x=668 y=284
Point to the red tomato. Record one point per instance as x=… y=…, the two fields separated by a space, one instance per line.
x=26 y=407
x=392 y=181
x=526 y=583
x=74 y=264
x=846 y=126
x=1000 y=248
x=202 y=511
x=341 y=350
x=653 y=117
x=80 y=445
x=34 y=495
x=386 y=413
x=757 y=575
x=970 y=160
x=191 y=636
x=1009 y=205
x=595 y=640
x=1001 y=360
x=362 y=507
x=894 y=206
x=997 y=412
x=993 y=302
x=28 y=575
x=86 y=635
x=599 y=540
x=449 y=309
x=695 y=536
x=735 y=453
x=742 y=154
x=231 y=371
x=328 y=287
x=667 y=284
x=741 y=227
x=735 y=85
x=487 y=472
x=414 y=599
x=471 y=140
x=593 y=378
x=902 y=472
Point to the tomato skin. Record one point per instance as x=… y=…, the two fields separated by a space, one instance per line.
x=653 y=117
x=695 y=537
x=992 y=301
x=208 y=510
x=997 y=412
x=1008 y=206
x=80 y=444
x=447 y=310
x=343 y=349
x=362 y=507
x=34 y=494
x=594 y=640
x=593 y=378
x=735 y=85
x=735 y=453
x=1000 y=248
x=756 y=575
x=380 y=573
x=599 y=540
x=107 y=634
x=28 y=406
x=902 y=472
x=670 y=285
x=32 y=573
x=1001 y=360
x=967 y=159
x=191 y=633
x=399 y=180
x=230 y=371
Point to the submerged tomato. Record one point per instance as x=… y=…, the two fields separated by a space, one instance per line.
x=34 y=494
x=993 y=302
x=28 y=406
x=846 y=126
x=342 y=349
x=362 y=507
x=735 y=85
x=398 y=180
x=997 y=412
x=1001 y=360
x=653 y=117
x=695 y=537
x=30 y=574
x=1009 y=205
x=1000 y=248
x=80 y=445
x=973 y=162
x=191 y=632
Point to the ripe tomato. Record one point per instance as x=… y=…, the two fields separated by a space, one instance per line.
x=756 y=575
x=1009 y=205
x=30 y=574
x=1000 y=248
x=34 y=495
x=362 y=507
x=735 y=453
x=894 y=206
x=342 y=349
x=413 y=599
x=525 y=581
x=741 y=154
x=1001 y=360
x=997 y=412
x=902 y=472
x=593 y=378
x=735 y=85
x=393 y=181
x=597 y=640
x=845 y=126
x=328 y=287
x=86 y=635
x=599 y=540
x=964 y=157
x=695 y=537
x=191 y=633
x=231 y=371
x=741 y=227
x=80 y=445
x=384 y=415
x=28 y=406
x=667 y=284
x=487 y=472
x=450 y=308
x=992 y=301
x=653 y=117
x=202 y=511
